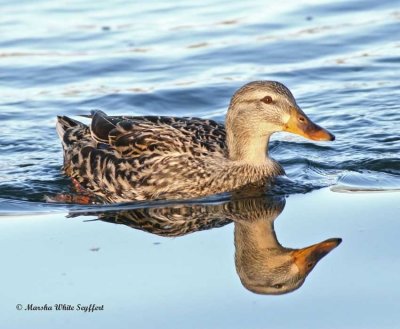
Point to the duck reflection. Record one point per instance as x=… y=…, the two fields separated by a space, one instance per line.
x=262 y=263
x=264 y=266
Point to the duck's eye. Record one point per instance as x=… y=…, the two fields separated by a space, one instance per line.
x=267 y=100
x=302 y=119
x=278 y=286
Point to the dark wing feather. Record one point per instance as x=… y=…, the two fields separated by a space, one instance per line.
x=102 y=125
x=133 y=136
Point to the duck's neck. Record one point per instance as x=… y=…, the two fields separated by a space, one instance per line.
x=255 y=235
x=249 y=149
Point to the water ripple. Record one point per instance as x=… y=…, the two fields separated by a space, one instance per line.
x=341 y=61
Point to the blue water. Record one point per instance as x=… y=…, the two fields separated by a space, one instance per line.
x=341 y=60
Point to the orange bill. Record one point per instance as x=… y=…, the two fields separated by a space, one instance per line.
x=308 y=257
x=301 y=125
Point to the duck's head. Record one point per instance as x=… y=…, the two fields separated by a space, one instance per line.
x=259 y=109
x=279 y=271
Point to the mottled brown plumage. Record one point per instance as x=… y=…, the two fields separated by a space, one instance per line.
x=124 y=158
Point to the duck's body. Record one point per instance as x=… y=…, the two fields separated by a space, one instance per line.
x=124 y=158
x=154 y=158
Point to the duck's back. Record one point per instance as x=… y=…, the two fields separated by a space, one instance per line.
x=136 y=136
x=119 y=157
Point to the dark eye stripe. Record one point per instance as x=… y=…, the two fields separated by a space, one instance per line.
x=267 y=100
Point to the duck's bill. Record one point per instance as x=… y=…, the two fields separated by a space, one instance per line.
x=307 y=258
x=301 y=125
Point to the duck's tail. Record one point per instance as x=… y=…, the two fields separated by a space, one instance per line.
x=71 y=131
x=64 y=123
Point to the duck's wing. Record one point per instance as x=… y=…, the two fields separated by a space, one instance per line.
x=134 y=136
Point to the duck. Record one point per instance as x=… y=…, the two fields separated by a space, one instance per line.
x=131 y=158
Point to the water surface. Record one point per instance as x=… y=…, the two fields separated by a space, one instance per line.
x=190 y=280
x=340 y=60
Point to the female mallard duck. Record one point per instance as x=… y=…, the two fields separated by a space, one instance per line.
x=125 y=158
